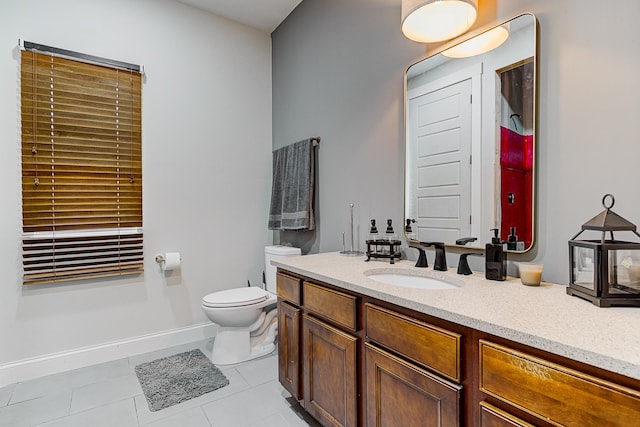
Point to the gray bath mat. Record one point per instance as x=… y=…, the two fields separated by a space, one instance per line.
x=174 y=379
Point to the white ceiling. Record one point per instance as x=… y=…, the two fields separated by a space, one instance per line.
x=264 y=15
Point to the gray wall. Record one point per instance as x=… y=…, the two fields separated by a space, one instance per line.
x=338 y=73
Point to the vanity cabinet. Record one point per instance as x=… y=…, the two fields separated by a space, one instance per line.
x=353 y=360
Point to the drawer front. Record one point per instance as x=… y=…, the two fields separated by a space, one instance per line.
x=490 y=416
x=334 y=306
x=421 y=342
x=399 y=393
x=553 y=392
x=288 y=288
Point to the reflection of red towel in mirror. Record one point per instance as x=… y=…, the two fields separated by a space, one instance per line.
x=516 y=178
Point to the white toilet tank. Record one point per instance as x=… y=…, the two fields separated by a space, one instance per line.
x=276 y=252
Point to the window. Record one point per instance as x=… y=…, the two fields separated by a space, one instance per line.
x=81 y=169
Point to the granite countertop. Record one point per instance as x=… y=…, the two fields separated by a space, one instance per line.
x=543 y=317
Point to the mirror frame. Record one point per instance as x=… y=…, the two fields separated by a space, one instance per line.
x=485 y=234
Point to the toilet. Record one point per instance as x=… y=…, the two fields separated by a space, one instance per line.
x=246 y=317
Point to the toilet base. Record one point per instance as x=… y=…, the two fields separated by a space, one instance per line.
x=233 y=345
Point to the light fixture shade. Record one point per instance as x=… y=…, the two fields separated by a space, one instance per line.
x=480 y=44
x=437 y=20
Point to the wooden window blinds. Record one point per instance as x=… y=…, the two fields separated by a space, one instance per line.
x=81 y=170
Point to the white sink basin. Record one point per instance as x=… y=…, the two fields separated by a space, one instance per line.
x=411 y=281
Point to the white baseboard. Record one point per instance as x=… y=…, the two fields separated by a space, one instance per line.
x=27 y=369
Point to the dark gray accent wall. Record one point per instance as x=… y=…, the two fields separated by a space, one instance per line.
x=338 y=73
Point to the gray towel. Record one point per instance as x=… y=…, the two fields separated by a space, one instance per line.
x=292 y=188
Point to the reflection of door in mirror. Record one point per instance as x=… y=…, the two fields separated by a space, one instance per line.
x=440 y=172
x=443 y=135
x=516 y=155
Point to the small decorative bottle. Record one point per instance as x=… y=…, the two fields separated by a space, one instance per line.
x=374 y=236
x=408 y=231
x=390 y=236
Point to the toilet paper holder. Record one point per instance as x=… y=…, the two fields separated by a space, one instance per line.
x=169 y=261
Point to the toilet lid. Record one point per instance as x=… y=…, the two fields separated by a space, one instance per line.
x=235 y=297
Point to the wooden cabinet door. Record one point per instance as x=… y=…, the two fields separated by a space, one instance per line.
x=289 y=348
x=330 y=373
x=402 y=394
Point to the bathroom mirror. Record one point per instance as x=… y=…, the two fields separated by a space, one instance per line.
x=470 y=139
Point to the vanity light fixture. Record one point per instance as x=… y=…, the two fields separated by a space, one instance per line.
x=479 y=44
x=429 y=21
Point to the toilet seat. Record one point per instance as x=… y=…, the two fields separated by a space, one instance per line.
x=238 y=297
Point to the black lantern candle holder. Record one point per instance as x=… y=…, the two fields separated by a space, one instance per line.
x=605 y=271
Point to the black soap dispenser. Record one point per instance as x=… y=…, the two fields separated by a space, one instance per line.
x=495 y=259
x=512 y=240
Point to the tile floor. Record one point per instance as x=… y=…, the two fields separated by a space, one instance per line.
x=109 y=394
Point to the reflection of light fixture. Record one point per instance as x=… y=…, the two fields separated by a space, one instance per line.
x=429 y=21
x=479 y=44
